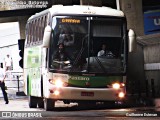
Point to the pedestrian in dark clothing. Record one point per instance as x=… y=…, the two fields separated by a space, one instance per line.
x=2 y=84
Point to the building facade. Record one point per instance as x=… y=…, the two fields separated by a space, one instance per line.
x=143 y=17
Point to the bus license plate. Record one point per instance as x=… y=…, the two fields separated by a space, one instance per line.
x=87 y=94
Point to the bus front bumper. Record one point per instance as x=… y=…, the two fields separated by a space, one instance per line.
x=72 y=93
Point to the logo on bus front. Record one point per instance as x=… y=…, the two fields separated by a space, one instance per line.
x=79 y=78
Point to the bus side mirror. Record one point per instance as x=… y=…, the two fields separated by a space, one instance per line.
x=132 y=40
x=47 y=36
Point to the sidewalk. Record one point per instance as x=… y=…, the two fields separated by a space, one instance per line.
x=12 y=95
x=143 y=101
x=12 y=89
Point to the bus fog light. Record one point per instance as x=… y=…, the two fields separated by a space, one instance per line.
x=121 y=95
x=56 y=92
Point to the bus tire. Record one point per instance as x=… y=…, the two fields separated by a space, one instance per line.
x=32 y=102
x=40 y=103
x=41 y=86
x=49 y=104
x=27 y=84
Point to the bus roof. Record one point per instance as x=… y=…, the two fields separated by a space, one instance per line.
x=81 y=10
x=85 y=10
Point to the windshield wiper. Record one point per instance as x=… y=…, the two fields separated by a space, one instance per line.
x=100 y=64
x=79 y=56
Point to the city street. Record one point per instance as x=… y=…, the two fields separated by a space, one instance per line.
x=72 y=112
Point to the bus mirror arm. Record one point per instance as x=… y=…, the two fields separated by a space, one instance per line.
x=46 y=36
x=132 y=40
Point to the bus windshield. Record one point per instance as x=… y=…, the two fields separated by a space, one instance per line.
x=88 y=45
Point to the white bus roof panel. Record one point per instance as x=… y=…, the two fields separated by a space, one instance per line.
x=80 y=10
x=85 y=10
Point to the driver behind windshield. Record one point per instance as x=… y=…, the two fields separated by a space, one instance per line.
x=105 y=52
x=61 y=54
x=61 y=59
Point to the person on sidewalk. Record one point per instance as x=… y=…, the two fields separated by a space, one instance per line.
x=2 y=83
x=8 y=62
x=8 y=65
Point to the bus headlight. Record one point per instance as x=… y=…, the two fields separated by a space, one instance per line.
x=116 y=85
x=58 y=83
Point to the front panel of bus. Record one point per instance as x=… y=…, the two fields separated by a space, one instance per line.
x=82 y=61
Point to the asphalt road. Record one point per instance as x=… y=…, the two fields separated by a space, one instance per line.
x=18 y=109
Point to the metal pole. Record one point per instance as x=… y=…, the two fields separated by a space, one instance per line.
x=132 y=88
x=152 y=87
x=139 y=89
x=18 y=82
x=147 y=88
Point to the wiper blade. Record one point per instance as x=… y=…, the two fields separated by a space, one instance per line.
x=100 y=64
x=79 y=54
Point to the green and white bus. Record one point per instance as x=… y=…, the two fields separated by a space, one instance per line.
x=85 y=76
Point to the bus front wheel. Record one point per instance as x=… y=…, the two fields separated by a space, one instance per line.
x=40 y=102
x=32 y=102
x=49 y=104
